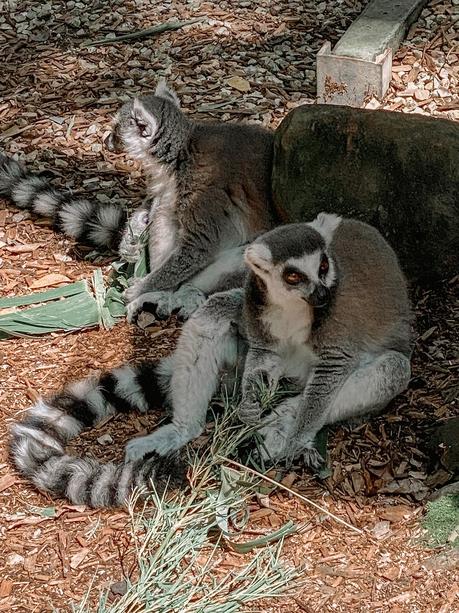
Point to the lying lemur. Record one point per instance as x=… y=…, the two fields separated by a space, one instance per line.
x=209 y=194
x=325 y=305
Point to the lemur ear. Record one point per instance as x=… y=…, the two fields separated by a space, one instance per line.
x=146 y=123
x=259 y=258
x=163 y=91
x=326 y=224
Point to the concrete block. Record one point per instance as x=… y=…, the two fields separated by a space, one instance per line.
x=360 y=64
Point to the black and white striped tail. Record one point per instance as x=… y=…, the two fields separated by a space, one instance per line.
x=38 y=442
x=90 y=223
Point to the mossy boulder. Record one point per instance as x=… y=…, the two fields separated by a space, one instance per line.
x=397 y=172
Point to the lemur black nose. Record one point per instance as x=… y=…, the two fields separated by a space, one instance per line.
x=320 y=297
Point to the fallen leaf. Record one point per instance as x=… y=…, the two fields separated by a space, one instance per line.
x=49 y=280
x=239 y=83
x=23 y=248
x=381 y=529
x=7 y=481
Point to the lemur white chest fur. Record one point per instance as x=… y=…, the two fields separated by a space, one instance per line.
x=290 y=327
x=163 y=214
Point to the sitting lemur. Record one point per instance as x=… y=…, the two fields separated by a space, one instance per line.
x=209 y=194
x=325 y=306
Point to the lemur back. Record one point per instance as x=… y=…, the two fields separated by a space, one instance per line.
x=371 y=295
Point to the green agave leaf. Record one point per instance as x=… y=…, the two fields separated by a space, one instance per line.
x=72 y=307
x=52 y=294
x=70 y=313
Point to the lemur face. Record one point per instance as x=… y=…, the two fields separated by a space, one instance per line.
x=138 y=124
x=294 y=264
x=135 y=126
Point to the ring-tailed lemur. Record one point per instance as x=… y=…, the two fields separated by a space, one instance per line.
x=325 y=305
x=209 y=185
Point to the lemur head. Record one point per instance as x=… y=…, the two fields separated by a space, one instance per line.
x=150 y=126
x=294 y=263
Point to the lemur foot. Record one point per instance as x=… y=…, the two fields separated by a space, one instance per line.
x=312 y=458
x=184 y=302
x=163 y=441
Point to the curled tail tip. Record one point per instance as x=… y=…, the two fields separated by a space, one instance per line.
x=87 y=481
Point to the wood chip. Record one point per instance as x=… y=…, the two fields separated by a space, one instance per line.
x=239 y=83
x=50 y=280
x=78 y=558
x=6 y=587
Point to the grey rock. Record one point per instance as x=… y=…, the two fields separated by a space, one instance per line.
x=395 y=171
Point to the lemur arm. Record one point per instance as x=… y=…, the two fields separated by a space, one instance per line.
x=261 y=365
x=131 y=243
x=209 y=230
x=327 y=378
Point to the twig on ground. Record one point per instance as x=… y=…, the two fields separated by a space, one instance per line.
x=294 y=493
x=162 y=27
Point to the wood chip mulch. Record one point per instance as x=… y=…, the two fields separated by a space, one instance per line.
x=245 y=61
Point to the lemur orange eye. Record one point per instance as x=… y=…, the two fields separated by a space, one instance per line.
x=292 y=278
x=324 y=266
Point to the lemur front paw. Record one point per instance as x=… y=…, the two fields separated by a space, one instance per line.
x=184 y=302
x=163 y=441
x=130 y=251
x=249 y=411
x=135 y=290
x=132 y=242
x=158 y=303
x=275 y=443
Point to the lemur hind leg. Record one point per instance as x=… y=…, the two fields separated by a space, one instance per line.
x=368 y=389
x=208 y=344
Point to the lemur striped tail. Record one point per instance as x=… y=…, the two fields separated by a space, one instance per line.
x=38 y=442
x=90 y=223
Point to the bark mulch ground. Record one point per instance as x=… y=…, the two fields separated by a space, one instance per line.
x=243 y=61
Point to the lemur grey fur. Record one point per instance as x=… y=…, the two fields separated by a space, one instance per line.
x=325 y=305
x=210 y=188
